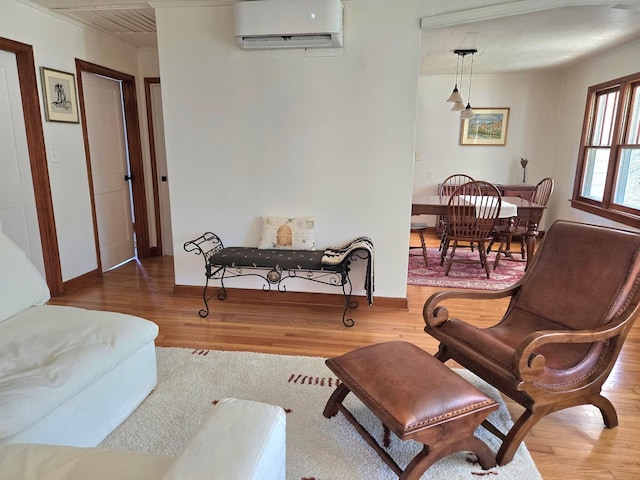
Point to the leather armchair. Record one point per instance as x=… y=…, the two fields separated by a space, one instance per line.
x=562 y=332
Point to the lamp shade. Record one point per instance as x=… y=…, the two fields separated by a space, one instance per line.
x=455 y=96
x=457 y=107
x=467 y=112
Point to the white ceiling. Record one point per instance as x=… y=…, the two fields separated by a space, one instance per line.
x=544 y=40
x=510 y=36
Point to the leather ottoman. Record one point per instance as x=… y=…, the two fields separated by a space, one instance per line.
x=417 y=398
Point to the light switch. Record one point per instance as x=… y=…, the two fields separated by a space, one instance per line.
x=54 y=155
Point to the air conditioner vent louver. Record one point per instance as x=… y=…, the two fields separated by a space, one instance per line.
x=288 y=24
x=288 y=41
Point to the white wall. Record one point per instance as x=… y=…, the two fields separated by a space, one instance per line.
x=327 y=133
x=56 y=44
x=576 y=81
x=532 y=131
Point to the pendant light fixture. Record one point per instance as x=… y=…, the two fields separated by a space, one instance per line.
x=458 y=105
x=456 y=98
x=455 y=95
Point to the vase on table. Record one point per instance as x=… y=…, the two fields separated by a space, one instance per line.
x=523 y=162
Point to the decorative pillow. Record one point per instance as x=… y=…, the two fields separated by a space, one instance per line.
x=21 y=284
x=288 y=233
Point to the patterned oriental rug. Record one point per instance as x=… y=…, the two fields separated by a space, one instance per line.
x=462 y=275
x=190 y=381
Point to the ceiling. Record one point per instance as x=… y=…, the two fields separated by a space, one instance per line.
x=510 y=36
x=522 y=39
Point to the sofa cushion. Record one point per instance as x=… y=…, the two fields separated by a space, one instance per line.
x=21 y=284
x=51 y=353
x=244 y=439
x=46 y=462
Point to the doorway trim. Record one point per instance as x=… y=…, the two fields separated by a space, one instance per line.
x=38 y=160
x=141 y=222
x=148 y=81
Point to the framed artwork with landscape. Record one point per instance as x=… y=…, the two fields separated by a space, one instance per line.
x=60 y=97
x=488 y=126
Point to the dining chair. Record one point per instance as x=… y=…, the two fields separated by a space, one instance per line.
x=472 y=212
x=446 y=188
x=562 y=332
x=514 y=232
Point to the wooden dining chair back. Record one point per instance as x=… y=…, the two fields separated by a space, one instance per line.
x=449 y=184
x=562 y=332
x=446 y=188
x=472 y=212
x=542 y=191
x=508 y=235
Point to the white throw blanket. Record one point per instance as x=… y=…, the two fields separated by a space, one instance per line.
x=336 y=255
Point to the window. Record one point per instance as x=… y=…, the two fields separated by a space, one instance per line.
x=608 y=175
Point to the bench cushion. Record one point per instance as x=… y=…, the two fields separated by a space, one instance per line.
x=271 y=258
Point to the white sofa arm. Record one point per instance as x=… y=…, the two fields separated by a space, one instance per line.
x=238 y=440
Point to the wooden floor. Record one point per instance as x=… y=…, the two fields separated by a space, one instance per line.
x=572 y=444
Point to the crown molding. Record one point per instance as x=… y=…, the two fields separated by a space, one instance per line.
x=518 y=7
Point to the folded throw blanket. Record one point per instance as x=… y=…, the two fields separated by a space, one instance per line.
x=336 y=255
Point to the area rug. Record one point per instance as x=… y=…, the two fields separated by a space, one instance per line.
x=461 y=275
x=190 y=381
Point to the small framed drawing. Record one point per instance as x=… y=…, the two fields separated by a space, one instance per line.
x=488 y=126
x=60 y=97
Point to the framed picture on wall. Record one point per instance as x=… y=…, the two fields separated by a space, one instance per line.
x=488 y=126
x=60 y=97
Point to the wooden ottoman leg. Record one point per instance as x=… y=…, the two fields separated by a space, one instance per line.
x=335 y=400
x=430 y=455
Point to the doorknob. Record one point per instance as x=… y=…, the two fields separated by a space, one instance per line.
x=128 y=177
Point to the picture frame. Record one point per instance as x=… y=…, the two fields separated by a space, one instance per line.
x=60 y=96
x=488 y=126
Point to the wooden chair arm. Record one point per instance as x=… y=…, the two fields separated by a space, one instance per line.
x=435 y=315
x=527 y=364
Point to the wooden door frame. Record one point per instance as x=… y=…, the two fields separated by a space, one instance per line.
x=148 y=81
x=38 y=160
x=141 y=222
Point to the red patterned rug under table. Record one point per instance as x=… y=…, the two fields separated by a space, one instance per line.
x=462 y=275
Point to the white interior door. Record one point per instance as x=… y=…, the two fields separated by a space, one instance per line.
x=109 y=168
x=18 y=214
x=161 y=168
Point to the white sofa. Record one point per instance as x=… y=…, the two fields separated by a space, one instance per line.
x=238 y=440
x=68 y=376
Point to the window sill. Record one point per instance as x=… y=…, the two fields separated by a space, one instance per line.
x=614 y=215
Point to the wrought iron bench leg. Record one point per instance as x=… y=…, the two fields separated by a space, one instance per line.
x=348 y=303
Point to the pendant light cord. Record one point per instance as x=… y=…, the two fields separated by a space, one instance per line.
x=457 y=64
x=461 y=70
x=470 y=76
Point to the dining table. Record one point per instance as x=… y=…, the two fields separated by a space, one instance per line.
x=514 y=207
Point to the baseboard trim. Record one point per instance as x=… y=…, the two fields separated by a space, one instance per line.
x=81 y=281
x=243 y=295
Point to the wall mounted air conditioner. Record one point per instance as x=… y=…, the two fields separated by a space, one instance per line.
x=288 y=23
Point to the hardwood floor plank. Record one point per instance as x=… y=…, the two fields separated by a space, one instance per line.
x=571 y=444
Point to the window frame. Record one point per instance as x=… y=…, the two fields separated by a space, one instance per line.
x=607 y=208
